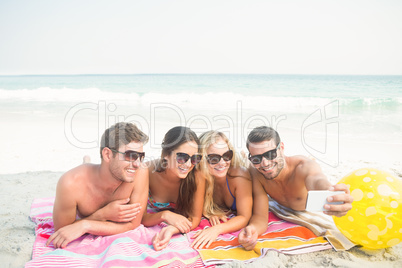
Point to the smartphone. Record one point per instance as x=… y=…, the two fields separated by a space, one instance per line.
x=317 y=199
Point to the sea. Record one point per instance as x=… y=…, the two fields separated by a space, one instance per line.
x=49 y=122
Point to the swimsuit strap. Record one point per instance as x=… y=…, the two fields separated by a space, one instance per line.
x=233 y=207
x=227 y=183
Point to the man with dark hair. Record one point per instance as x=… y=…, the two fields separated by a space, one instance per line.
x=109 y=198
x=286 y=179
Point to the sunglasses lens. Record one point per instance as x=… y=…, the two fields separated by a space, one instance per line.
x=182 y=158
x=133 y=156
x=228 y=155
x=195 y=159
x=214 y=159
x=256 y=159
x=270 y=155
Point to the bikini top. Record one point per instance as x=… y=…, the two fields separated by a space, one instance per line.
x=233 y=207
x=158 y=205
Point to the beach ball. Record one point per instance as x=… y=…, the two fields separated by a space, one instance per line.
x=375 y=220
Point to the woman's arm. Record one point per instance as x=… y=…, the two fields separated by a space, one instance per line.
x=244 y=204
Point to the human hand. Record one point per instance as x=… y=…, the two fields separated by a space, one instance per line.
x=161 y=239
x=120 y=211
x=248 y=237
x=215 y=220
x=66 y=234
x=204 y=238
x=177 y=220
x=346 y=198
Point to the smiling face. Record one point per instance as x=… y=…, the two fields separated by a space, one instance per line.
x=125 y=170
x=270 y=169
x=181 y=170
x=220 y=169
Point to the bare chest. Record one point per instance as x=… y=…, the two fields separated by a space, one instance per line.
x=94 y=200
x=291 y=196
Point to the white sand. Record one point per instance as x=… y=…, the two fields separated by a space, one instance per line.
x=17 y=231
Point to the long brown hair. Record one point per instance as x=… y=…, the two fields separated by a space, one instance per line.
x=172 y=140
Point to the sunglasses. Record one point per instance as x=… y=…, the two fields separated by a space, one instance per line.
x=182 y=158
x=130 y=155
x=269 y=155
x=214 y=159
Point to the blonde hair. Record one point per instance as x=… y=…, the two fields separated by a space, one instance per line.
x=206 y=140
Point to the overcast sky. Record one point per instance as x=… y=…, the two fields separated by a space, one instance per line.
x=249 y=36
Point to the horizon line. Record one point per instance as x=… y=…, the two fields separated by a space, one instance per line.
x=110 y=74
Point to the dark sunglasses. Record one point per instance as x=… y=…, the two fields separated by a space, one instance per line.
x=214 y=159
x=269 y=155
x=182 y=158
x=130 y=155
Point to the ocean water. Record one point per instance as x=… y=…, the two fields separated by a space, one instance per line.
x=50 y=122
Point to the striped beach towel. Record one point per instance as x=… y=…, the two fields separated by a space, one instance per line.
x=319 y=223
x=281 y=236
x=129 y=249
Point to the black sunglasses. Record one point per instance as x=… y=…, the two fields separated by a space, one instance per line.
x=182 y=158
x=269 y=155
x=214 y=159
x=130 y=155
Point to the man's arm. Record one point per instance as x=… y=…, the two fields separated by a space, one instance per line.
x=259 y=220
x=65 y=204
x=316 y=180
x=69 y=232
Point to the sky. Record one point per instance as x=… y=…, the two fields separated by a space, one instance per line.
x=184 y=36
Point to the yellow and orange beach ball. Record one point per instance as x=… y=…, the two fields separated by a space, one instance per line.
x=375 y=220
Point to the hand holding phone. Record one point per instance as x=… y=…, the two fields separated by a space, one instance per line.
x=317 y=199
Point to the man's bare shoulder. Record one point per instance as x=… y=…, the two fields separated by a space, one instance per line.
x=303 y=165
x=78 y=176
x=240 y=173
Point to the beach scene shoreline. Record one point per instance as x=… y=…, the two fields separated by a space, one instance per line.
x=60 y=127
x=326 y=75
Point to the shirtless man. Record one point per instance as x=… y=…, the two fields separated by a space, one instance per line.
x=109 y=198
x=286 y=179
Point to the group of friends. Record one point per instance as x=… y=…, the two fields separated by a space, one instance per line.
x=195 y=177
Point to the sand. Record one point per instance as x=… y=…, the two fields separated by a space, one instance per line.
x=17 y=231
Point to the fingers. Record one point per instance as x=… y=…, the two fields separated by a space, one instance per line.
x=214 y=221
x=197 y=234
x=341 y=209
x=200 y=242
x=58 y=240
x=340 y=187
x=337 y=210
x=50 y=240
x=156 y=242
x=184 y=226
x=224 y=219
x=247 y=238
x=346 y=198
x=128 y=212
x=249 y=245
x=123 y=201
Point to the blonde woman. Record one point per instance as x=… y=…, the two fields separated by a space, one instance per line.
x=228 y=188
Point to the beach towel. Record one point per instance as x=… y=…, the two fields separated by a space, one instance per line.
x=319 y=223
x=282 y=236
x=129 y=249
